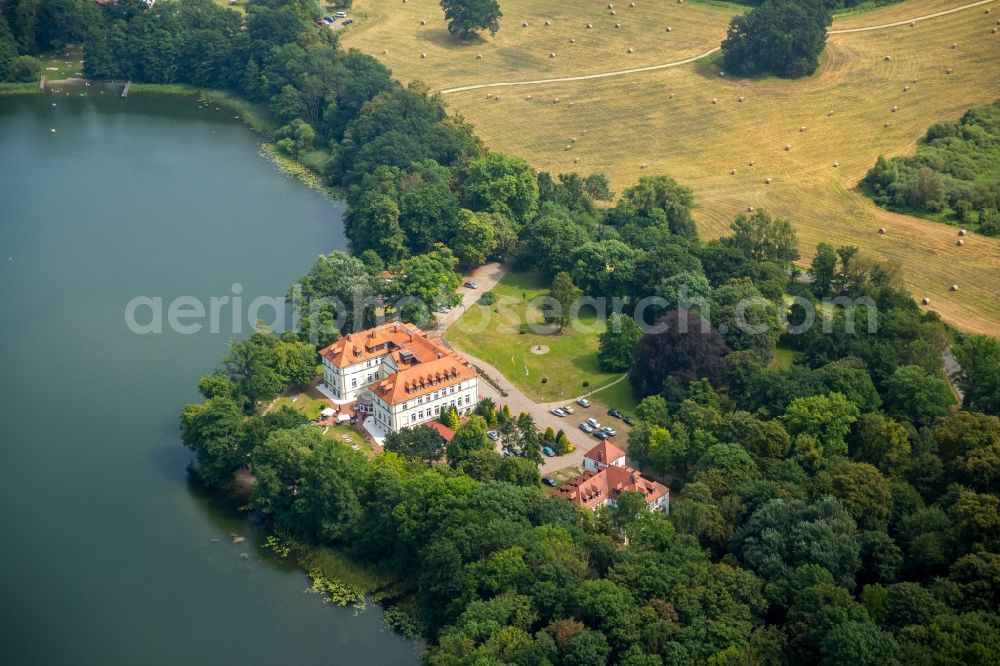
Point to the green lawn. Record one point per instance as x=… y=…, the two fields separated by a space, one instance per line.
x=782 y=359
x=492 y=333
x=338 y=433
x=309 y=403
x=565 y=474
x=64 y=64
x=619 y=396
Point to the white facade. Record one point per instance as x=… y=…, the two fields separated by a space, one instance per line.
x=463 y=396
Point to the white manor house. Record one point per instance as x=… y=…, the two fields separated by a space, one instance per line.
x=398 y=375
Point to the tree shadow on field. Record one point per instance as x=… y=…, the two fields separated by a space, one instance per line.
x=441 y=38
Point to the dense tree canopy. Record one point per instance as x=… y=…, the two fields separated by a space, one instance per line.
x=783 y=37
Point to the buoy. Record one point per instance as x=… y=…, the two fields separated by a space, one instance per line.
x=53 y=130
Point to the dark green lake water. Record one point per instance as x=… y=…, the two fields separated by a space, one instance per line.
x=108 y=554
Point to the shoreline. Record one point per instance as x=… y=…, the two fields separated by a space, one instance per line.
x=248 y=113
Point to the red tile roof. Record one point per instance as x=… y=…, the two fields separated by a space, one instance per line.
x=443 y=430
x=424 y=365
x=592 y=488
x=605 y=453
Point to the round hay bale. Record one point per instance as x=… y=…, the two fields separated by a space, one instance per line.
x=479 y=56
x=423 y=55
x=888 y=58
x=722 y=73
x=836 y=165
x=948 y=71
x=829 y=113
x=489 y=95
x=752 y=162
x=612 y=13
x=630 y=51
x=610 y=6
x=552 y=55
x=881 y=231
x=887 y=125
x=423 y=21
x=913 y=80
x=741 y=98
x=802 y=129
x=585 y=132
x=642 y=166
x=733 y=172
x=749 y=209
x=768 y=181
x=385 y=51
x=618 y=25
x=572 y=103
x=680 y=2
x=671 y=96
x=906 y=88
x=569 y=147
x=497 y=98
x=715 y=100
x=961 y=232
x=987 y=11
x=954 y=46
x=895 y=109
x=960 y=242
x=913 y=23
x=555 y=100
x=632 y=6
x=524 y=25
x=993 y=30
x=954 y=287
x=572 y=41
x=548 y=23
x=788 y=147
x=572 y=139
x=528 y=97
x=669 y=29
x=576 y=160
x=925 y=300
x=589 y=26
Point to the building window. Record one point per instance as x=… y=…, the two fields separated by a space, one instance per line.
x=354 y=382
x=437 y=409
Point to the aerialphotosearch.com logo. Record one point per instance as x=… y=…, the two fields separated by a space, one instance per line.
x=232 y=314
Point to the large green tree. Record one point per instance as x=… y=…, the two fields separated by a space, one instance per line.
x=783 y=37
x=617 y=343
x=466 y=17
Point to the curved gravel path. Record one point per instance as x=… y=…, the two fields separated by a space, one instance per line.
x=678 y=63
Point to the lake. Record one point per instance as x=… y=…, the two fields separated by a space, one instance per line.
x=110 y=555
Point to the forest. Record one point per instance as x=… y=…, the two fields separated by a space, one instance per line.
x=953 y=176
x=844 y=509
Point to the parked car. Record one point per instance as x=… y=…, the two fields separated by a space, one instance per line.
x=341 y=14
x=594 y=423
x=609 y=431
x=348 y=21
x=321 y=23
x=558 y=411
x=549 y=481
x=493 y=434
x=615 y=413
x=586 y=427
x=549 y=452
x=601 y=435
x=504 y=454
x=583 y=402
x=329 y=19
x=470 y=285
x=629 y=420
x=568 y=409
